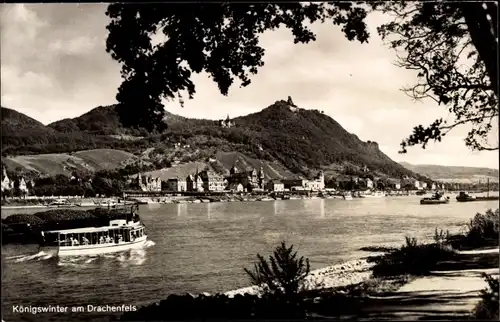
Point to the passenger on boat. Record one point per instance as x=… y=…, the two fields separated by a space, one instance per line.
x=85 y=240
x=101 y=240
x=108 y=239
x=74 y=242
x=133 y=236
x=120 y=239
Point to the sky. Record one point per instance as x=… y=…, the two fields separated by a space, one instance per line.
x=54 y=66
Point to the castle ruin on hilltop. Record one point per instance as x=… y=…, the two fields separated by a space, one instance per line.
x=227 y=123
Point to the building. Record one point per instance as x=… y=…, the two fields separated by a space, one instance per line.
x=369 y=183
x=227 y=123
x=318 y=183
x=275 y=186
x=394 y=184
x=212 y=181
x=236 y=187
x=295 y=184
x=177 y=184
x=423 y=185
x=433 y=186
x=194 y=183
x=417 y=185
x=7 y=184
x=23 y=186
x=147 y=183
x=251 y=180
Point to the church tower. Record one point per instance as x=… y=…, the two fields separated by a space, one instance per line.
x=321 y=179
x=233 y=170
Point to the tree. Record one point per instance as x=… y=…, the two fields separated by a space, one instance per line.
x=453 y=47
x=218 y=38
x=7 y=193
x=283 y=275
x=222 y=40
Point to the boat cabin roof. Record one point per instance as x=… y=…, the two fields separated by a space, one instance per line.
x=88 y=230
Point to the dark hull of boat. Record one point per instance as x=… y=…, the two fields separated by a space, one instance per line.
x=434 y=202
x=477 y=199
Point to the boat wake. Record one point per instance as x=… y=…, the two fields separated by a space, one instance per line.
x=129 y=257
x=23 y=258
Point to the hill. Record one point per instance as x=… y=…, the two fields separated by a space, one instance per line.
x=64 y=163
x=454 y=173
x=283 y=139
x=22 y=135
x=104 y=120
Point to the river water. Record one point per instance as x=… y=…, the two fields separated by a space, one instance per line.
x=204 y=247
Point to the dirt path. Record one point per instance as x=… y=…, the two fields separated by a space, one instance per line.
x=446 y=294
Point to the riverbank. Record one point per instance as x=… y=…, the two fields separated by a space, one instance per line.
x=344 y=291
x=339 y=275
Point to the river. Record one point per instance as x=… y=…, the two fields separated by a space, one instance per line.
x=204 y=247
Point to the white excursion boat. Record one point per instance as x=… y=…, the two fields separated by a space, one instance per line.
x=60 y=203
x=110 y=203
x=120 y=235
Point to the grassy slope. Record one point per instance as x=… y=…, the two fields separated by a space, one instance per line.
x=227 y=160
x=53 y=164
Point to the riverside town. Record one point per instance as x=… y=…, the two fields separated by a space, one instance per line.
x=250 y=161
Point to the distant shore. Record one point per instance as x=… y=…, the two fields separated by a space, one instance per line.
x=44 y=203
x=97 y=202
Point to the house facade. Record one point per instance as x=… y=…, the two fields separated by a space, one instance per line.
x=148 y=183
x=394 y=184
x=23 y=187
x=194 y=183
x=275 y=186
x=251 y=180
x=177 y=184
x=236 y=187
x=7 y=184
x=318 y=183
x=295 y=184
x=212 y=181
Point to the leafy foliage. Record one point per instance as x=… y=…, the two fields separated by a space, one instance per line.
x=451 y=46
x=62 y=219
x=412 y=258
x=483 y=229
x=222 y=40
x=487 y=308
x=283 y=275
x=218 y=38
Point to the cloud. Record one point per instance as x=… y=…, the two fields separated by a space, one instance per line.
x=54 y=66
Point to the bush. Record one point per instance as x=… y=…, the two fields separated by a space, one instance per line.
x=483 y=228
x=219 y=306
x=412 y=258
x=487 y=308
x=480 y=231
x=283 y=275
